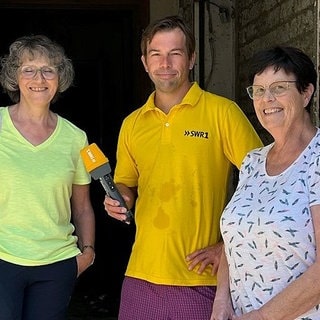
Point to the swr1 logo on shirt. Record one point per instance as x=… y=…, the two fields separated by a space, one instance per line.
x=196 y=134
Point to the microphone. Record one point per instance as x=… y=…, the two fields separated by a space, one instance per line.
x=97 y=164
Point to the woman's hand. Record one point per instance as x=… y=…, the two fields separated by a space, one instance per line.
x=85 y=260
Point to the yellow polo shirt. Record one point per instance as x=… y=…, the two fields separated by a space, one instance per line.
x=181 y=163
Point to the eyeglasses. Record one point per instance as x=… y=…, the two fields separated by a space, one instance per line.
x=277 y=89
x=29 y=72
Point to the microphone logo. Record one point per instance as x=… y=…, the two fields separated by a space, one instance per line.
x=91 y=156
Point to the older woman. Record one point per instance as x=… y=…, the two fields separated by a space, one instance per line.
x=271 y=226
x=43 y=186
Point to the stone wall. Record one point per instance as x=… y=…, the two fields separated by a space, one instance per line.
x=262 y=23
x=258 y=24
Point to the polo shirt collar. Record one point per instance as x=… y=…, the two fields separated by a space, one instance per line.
x=191 y=98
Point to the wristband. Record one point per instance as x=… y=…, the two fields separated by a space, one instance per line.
x=88 y=246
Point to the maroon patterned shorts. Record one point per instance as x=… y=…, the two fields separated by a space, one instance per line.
x=142 y=300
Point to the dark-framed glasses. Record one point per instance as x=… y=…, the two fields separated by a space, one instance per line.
x=277 y=89
x=29 y=72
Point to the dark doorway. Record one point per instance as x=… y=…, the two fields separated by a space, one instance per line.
x=103 y=40
x=103 y=43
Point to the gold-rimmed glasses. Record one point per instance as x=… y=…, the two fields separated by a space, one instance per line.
x=277 y=89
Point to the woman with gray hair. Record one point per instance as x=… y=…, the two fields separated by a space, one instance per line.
x=47 y=228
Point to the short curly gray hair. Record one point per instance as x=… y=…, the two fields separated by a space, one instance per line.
x=33 y=46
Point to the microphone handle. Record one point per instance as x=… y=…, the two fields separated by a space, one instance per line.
x=113 y=192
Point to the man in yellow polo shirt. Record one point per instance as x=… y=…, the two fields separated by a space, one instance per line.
x=174 y=159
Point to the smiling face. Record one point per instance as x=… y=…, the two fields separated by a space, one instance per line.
x=282 y=112
x=37 y=89
x=167 y=61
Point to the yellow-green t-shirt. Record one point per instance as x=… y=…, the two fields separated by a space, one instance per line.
x=181 y=163
x=35 y=190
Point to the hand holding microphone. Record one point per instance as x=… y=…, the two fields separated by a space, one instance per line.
x=97 y=164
